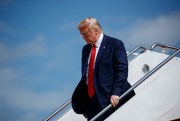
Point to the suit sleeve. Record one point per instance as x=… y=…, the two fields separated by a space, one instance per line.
x=120 y=64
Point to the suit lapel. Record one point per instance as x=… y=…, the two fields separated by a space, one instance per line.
x=85 y=57
x=87 y=53
x=101 y=50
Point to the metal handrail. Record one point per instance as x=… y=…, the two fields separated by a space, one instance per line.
x=58 y=110
x=127 y=92
x=141 y=80
x=69 y=101
x=163 y=46
x=134 y=50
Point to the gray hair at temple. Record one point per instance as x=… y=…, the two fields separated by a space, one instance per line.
x=92 y=22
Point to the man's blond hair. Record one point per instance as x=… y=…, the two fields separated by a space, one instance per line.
x=91 y=22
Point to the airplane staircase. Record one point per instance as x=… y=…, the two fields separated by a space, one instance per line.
x=154 y=77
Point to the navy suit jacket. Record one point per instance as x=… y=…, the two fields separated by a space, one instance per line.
x=110 y=74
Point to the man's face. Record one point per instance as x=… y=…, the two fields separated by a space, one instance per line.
x=89 y=35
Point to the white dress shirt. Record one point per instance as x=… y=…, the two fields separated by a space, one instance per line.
x=98 y=43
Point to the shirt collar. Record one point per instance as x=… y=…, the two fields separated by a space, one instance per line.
x=98 y=43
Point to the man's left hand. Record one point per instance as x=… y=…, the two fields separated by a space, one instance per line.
x=114 y=100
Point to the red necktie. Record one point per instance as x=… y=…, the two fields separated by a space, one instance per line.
x=91 y=72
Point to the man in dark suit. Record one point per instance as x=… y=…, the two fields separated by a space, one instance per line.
x=104 y=72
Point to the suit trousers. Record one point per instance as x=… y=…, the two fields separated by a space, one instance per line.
x=94 y=107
